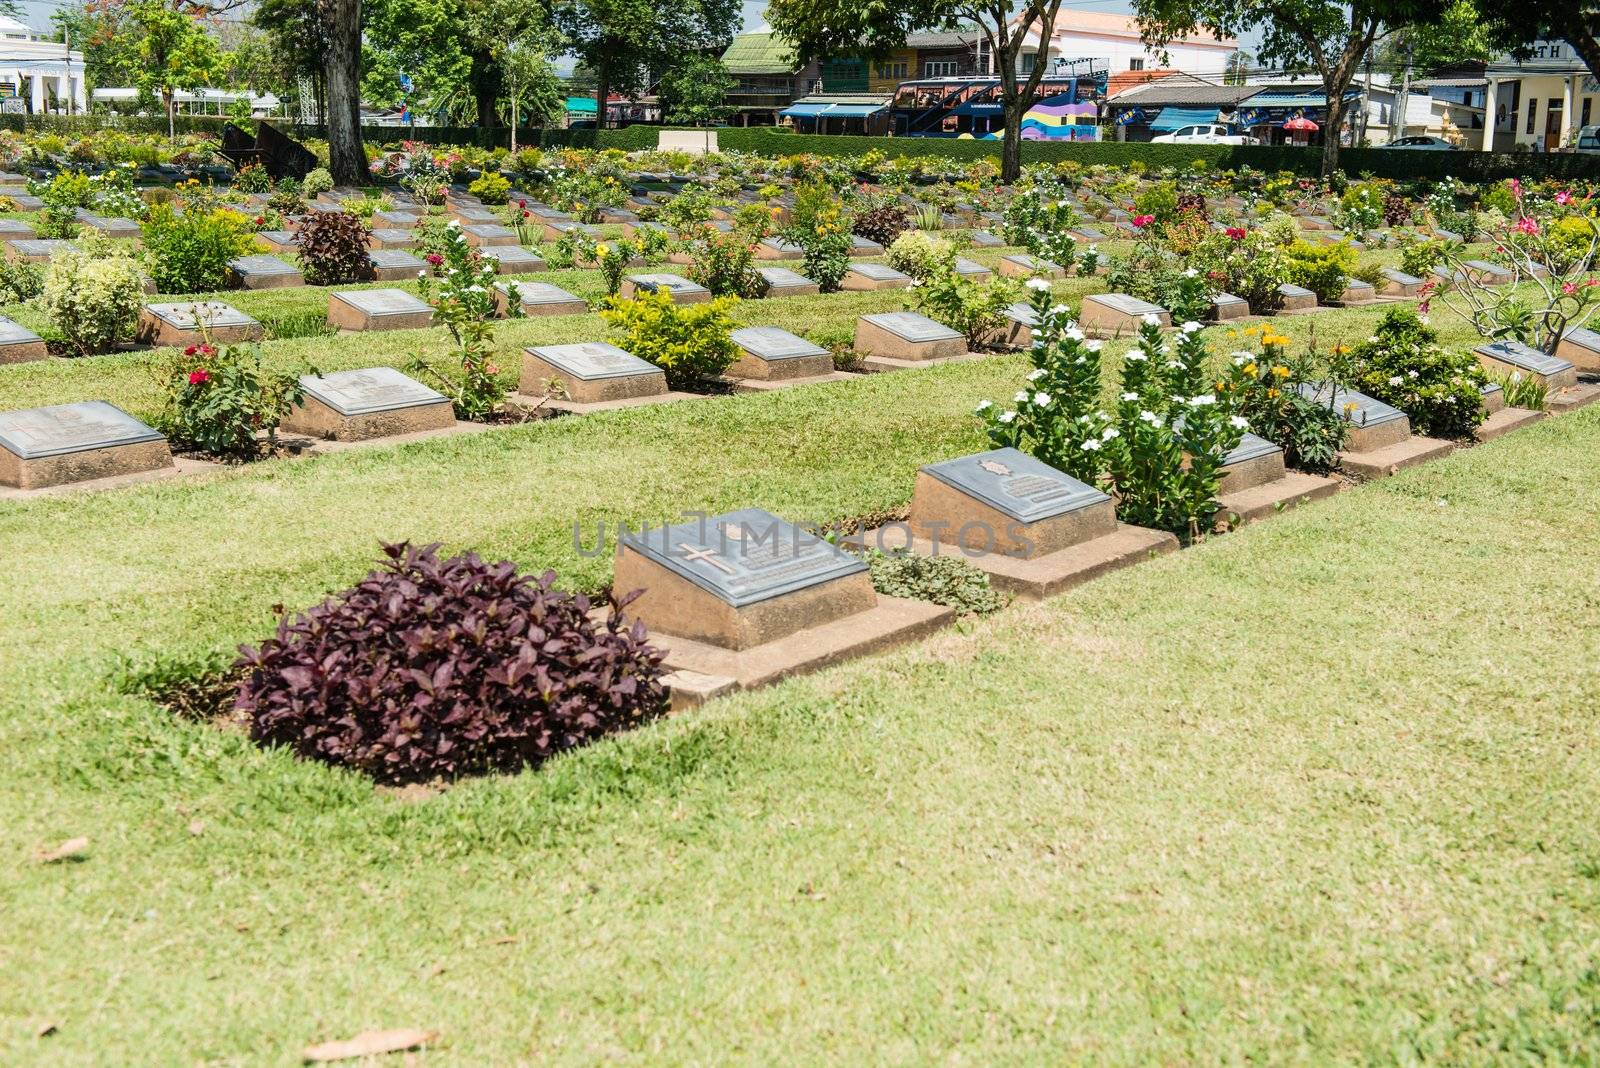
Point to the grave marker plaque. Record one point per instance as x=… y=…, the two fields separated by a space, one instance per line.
x=396 y=220
x=18 y=344
x=907 y=336
x=1225 y=306
x=468 y=215
x=192 y=322
x=972 y=269
x=682 y=290
x=1396 y=283
x=592 y=372
x=377 y=309
x=782 y=282
x=1582 y=346
x=777 y=248
x=873 y=276
x=395 y=264
x=15 y=230
x=480 y=235
x=1022 y=265
x=264 y=272
x=391 y=237
x=1373 y=424
x=1255 y=461
x=67 y=443
x=537 y=298
x=512 y=259
x=372 y=403
x=862 y=247
x=1118 y=313
x=771 y=353
x=984 y=239
x=279 y=240
x=36 y=251
x=1296 y=298
x=1515 y=357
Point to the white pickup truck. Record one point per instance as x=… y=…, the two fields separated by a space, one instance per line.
x=1204 y=134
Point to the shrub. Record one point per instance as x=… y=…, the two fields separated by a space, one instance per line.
x=976 y=309
x=333 y=248
x=1402 y=364
x=883 y=224
x=1418 y=257
x=20 y=281
x=189 y=252
x=490 y=188
x=217 y=400
x=1323 y=269
x=1263 y=389
x=433 y=668
x=464 y=304
x=93 y=301
x=1521 y=391
x=252 y=178
x=725 y=264
x=919 y=254
x=943 y=580
x=317 y=180
x=691 y=342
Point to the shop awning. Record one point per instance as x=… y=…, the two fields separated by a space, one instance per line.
x=853 y=111
x=1176 y=118
x=804 y=111
x=581 y=104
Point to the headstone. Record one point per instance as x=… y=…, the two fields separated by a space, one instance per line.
x=682 y=290
x=1489 y=274
x=67 y=443
x=593 y=372
x=907 y=336
x=1226 y=306
x=482 y=234
x=1017 y=330
x=264 y=272
x=1021 y=265
x=372 y=403
x=468 y=216
x=279 y=240
x=1119 y=313
x=1358 y=292
x=396 y=220
x=863 y=277
x=26 y=201
x=537 y=298
x=1581 y=346
x=377 y=309
x=1373 y=424
x=634 y=229
x=739 y=580
x=15 y=230
x=1255 y=461
x=1513 y=357
x=770 y=353
x=782 y=282
x=984 y=239
x=972 y=269
x=861 y=247
x=1296 y=298
x=1448 y=235
x=512 y=259
x=1087 y=233
x=18 y=344
x=1396 y=283
x=1006 y=502
x=1316 y=222
x=37 y=251
x=391 y=237
x=114 y=226
x=395 y=265
x=778 y=248
x=193 y=322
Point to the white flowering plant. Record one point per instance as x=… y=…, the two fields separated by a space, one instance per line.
x=464 y=303
x=1440 y=390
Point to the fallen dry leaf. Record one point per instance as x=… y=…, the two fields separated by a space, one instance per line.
x=45 y=1030
x=70 y=848
x=367 y=1044
x=197 y=827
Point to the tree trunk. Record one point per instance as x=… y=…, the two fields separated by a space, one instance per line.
x=1587 y=47
x=485 y=89
x=172 y=122
x=1011 y=150
x=1330 y=133
x=347 y=161
x=602 y=85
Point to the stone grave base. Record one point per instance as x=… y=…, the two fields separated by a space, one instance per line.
x=574 y=306
x=883 y=364
x=1355 y=296
x=284 y=280
x=1047 y=575
x=1554 y=383
x=178 y=467
x=402 y=243
x=323 y=447
x=857 y=283
x=768 y=385
x=1572 y=398
x=1389 y=287
x=536 y=371
x=1381 y=436
x=1580 y=356
x=557 y=406
x=1267 y=499
x=1012 y=269
x=153 y=330
x=1226 y=311
x=90 y=465
x=480 y=241
x=318 y=420
x=874 y=339
x=768 y=253
x=342 y=316
x=1504 y=421
x=1299 y=306
x=400 y=273
x=701 y=671
x=23 y=351
x=749 y=367
x=1385 y=461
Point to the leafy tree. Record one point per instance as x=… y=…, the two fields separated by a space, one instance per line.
x=1238 y=67
x=173 y=52
x=532 y=89
x=848 y=27
x=1460 y=36
x=694 y=92
x=1517 y=27
x=299 y=40
x=1327 y=36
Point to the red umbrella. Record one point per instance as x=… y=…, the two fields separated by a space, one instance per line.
x=1300 y=125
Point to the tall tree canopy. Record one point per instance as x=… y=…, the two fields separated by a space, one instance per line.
x=625 y=41
x=1516 y=27
x=1326 y=36
x=851 y=28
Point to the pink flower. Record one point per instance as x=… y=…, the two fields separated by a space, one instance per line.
x=1591 y=282
x=1516 y=187
x=1141 y=221
x=434 y=258
x=1527 y=225
x=1422 y=309
x=199 y=377
x=1563 y=197
x=1568 y=288
x=1235 y=233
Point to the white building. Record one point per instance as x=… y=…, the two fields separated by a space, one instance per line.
x=1112 y=43
x=38 y=76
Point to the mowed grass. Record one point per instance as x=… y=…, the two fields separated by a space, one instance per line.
x=1320 y=791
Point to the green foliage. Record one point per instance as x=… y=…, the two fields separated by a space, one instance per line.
x=219 y=399
x=189 y=251
x=1419 y=256
x=1402 y=364
x=694 y=90
x=692 y=343
x=491 y=188
x=317 y=181
x=1159 y=199
x=1323 y=269
x=463 y=302
x=943 y=580
x=93 y=301
x=921 y=254
x=976 y=309
x=725 y=264
x=252 y=178
x=820 y=225
x=20 y=281
x=1520 y=390
x=1264 y=390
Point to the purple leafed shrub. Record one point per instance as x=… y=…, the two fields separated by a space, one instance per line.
x=883 y=223
x=333 y=248
x=433 y=668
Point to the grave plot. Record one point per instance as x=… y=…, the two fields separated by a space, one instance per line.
x=115 y=226
x=18 y=344
x=280 y=241
x=1226 y=307
x=984 y=239
x=1016 y=333
x=395 y=220
x=391 y=237
x=360 y=405
x=63 y=444
x=973 y=270
x=867 y=277
x=194 y=322
x=682 y=290
x=482 y=235
x=1296 y=300
x=1502 y=418
x=863 y=248
x=468 y=215
x=395 y=264
x=744 y=599
x=778 y=248
x=1559 y=376
x=1580 y=346
x=1256 y=485
x=377 y=309
x=1489 y=274
x=16 y=230
x=772 y=358
x=1396 y=283
x=511 y=259
x=1358 y=292
x=895 y=341
x=1034 y=530
x=264 y=272
x=1022 y=265
x=782 y=282
x=1118 y=314
x=1379 y=442
x=34 y=251
x=537 y=298
x=591 y=376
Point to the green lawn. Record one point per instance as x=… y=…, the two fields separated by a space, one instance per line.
x=1323 y=790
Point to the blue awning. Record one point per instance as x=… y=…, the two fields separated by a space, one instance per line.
x=1174 y=118
x=804 y=111
x=854 y=111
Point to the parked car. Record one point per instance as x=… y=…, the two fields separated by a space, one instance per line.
x=1589 y=139
x=1206 y=134
x=1425 y=142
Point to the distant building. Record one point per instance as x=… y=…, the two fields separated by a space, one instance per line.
x=36 y=75
x=767 y=78
x=1113 y=42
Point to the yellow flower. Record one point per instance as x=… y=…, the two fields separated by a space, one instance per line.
x=600 y=250
x=1340 y=349
x=1272 y=392
x=1281 y=371
x=1250 y=368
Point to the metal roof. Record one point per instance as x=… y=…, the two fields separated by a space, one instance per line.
x=1183 y=89
x=759 y=53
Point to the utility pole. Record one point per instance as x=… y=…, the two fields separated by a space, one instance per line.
x=1397 y=114
x=1366 y=102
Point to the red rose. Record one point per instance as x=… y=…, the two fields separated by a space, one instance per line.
x=434 y=258
x=1141 y=221
x=199 y=377
x=1236 y=233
